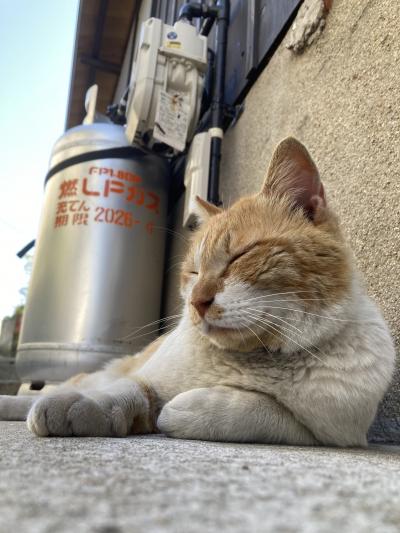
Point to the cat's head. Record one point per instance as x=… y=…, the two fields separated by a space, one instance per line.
x=260 y=272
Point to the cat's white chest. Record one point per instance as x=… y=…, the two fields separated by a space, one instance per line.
x=186 y=361
x=181 y=363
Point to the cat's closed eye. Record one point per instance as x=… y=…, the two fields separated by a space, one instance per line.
x=238 y=256
x=278 y=251
x=244 y=252
x=254 y=246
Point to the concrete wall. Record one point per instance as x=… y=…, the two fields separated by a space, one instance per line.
x=341 y=97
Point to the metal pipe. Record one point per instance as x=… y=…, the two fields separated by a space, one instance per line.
x=191 y=11
x=220 y=12
x=218 y=99
x=206 y=26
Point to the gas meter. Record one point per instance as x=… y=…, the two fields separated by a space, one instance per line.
x=167 y=84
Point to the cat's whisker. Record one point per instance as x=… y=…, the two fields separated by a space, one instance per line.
x=239 y=330
x=320 y=316
x=266 y=348
x=267 y=301
x=164 y=319
x=274 y=316
x=295 y=342
x=312 y=314
x=302 y=300
x=178 y=256
x=173 y=232
x=300 y=334
x=255 y=334
x=309 y=313
x=274 y=294
x=176 y=307
x=135 y=337
x=270 y=299
x=279 y=326
x=174 y=265
x=140 y=328
x=262 y=311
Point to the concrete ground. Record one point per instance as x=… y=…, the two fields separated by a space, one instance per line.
x=154 y=484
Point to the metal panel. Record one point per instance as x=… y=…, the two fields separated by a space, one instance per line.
x=167 y=10
x=236 y=64
x=255 y=26
x=272 y=16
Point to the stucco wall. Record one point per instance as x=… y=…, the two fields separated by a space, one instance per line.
x=342 y=99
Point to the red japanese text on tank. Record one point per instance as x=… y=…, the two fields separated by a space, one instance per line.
x=130 y=189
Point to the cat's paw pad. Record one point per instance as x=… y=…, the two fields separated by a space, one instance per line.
x=73 y=414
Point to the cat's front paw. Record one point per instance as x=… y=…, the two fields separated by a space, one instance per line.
x=186 y=416
x=72 y=414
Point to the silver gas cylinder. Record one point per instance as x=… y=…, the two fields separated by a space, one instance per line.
x=98 y=263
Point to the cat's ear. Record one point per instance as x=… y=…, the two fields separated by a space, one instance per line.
x=293 y=173
x=204 y=210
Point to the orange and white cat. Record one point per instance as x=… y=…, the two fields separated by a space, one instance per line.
x=278 y=341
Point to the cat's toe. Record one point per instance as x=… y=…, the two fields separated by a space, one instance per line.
x=89 y=419
x=73 y=414
x=170 y=422
x=180 y=418
x=36 y=420
x=48 y=415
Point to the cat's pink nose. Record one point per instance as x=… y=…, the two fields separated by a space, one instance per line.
x=202 y=305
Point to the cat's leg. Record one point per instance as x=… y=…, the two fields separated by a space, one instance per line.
x=231 y=415
x=110 y=402
x=15 y=407
x=120 y=408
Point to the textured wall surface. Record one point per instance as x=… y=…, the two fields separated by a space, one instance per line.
x=341 y=97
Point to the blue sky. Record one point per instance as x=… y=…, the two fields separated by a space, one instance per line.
x=36 y=47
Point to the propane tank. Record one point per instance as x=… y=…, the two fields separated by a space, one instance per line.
x=98 y=264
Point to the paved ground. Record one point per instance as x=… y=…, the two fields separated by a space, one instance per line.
x=154 y=484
